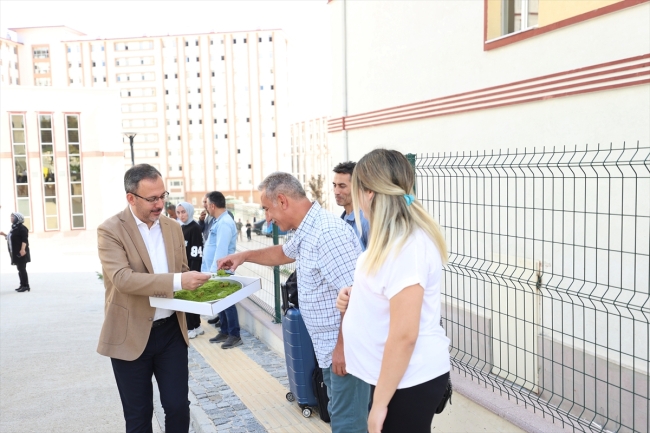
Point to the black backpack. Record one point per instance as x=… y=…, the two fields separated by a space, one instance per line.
x=290 y=293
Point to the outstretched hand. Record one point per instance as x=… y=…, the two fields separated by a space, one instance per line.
x=192 y=280
x=231 y=262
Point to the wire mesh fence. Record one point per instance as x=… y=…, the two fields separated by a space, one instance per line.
x=546 y=296
x=268 y=298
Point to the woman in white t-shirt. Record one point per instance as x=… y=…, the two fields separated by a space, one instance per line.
x=391 y=329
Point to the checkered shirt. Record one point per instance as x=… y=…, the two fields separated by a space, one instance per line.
x=326 y=251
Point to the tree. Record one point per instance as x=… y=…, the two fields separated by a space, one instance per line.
x=315 y=186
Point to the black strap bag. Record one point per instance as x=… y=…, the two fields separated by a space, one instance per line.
x=289 y=291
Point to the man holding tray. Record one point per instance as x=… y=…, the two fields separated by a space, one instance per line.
x=325 y=250
x=143 y=255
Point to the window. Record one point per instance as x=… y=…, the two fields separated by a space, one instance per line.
x=273 y=134
x=165 y=76
x=271 y=86
x=213 y=73
x=47 y=163
x=234 y=41
x=261 y=87
x=225 y=135
x=187 y=44
x=225 y=120
x=244 y=40
x=248 y=120
x=270 y=38
x=238 y=150
x=190 y=121
x=512 y=16
x=215 y=120
x=189 y=106
x=41 y=53
x=198 y=74
x=221 y=57
x=19 y=152
x=200 y=122
x=272 y=102
x=198 y=90
x=74 y=169
x=260 y=39
x=197 y=59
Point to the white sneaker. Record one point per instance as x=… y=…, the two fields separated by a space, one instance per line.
x=199 y=331
x=191 y=334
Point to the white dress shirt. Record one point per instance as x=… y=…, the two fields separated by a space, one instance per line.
x=153 y=240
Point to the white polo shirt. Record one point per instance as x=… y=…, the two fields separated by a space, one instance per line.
x=367 y=319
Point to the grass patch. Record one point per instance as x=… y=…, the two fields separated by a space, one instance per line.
x=210 y=291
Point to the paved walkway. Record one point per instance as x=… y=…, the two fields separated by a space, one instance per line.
x=52 y=379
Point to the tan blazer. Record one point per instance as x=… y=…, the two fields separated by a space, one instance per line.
x=129 y=281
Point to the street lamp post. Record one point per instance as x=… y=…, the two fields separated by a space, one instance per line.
x=131 y=135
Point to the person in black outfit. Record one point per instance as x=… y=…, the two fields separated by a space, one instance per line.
x=194 y=250
x=18 y=245
x=249 y=228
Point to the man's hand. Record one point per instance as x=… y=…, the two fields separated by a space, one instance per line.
x=3 y=234
x=343 y=299
x=193 y=279
x=203 y=215
x=338 y=359
x=22 y=253
x=231 y=262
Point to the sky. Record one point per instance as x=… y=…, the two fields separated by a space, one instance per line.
x=305 y=22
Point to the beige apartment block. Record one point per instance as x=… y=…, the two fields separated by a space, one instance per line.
x=310 y=156
x=208 y=110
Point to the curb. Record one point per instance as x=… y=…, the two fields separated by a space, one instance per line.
x=199 y=419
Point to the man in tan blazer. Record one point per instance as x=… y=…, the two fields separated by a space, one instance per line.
x=143 y=255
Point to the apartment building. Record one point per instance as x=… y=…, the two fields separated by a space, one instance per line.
x=310 y=156
x=208 y=110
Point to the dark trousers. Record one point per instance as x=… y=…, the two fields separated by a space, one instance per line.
x=229 y=320
x=193 y=320
x=412 y=409
x=22 y=273
x=165 y=357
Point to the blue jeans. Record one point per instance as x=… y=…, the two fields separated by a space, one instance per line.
x=229 y=321
x=348 y=406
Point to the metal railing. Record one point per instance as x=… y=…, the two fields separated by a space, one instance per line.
x=546 y=296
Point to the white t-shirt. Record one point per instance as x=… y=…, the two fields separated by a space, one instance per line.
x=366 y=322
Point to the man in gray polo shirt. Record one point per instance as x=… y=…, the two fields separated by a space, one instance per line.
x=325 y=250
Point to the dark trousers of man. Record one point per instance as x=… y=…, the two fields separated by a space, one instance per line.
x=229 y=320
x=165 y=357
x=22 y=273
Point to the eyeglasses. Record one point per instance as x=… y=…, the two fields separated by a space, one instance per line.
x=153 y=199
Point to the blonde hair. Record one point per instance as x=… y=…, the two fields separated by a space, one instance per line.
x=390 y=176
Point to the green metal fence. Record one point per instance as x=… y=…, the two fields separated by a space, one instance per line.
x=268 y=298
x=546 y=297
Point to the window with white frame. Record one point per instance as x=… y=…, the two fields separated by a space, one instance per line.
x=74 y=169
x=49 y=175
x=19 y=154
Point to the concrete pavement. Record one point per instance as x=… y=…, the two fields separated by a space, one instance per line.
x=52 y=379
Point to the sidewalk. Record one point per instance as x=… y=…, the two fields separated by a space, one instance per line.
x=52 y=379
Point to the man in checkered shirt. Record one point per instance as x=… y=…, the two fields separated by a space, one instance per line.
x=325 y=250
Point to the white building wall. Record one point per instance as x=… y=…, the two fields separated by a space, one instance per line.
x=405 y=52
x=102 y=164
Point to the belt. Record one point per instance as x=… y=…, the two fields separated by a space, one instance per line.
x=161 y=322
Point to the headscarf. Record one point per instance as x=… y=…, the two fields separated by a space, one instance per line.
x=18 y=219
x=190 y=212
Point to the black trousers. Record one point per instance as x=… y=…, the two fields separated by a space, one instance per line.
x=22 y=273
x=193 y=320
x=164 y=357
x=412 y=409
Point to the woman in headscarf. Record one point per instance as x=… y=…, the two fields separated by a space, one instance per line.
x=194 y=250
x=18 y=246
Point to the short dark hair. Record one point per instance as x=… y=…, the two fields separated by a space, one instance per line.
x=135 y=174
x=217 y=199
x=345 y=168
x=171 y=207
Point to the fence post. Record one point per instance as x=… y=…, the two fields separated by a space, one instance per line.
x=276 y=279
x=411 y=159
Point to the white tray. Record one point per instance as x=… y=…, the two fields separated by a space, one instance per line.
x=210 y=308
